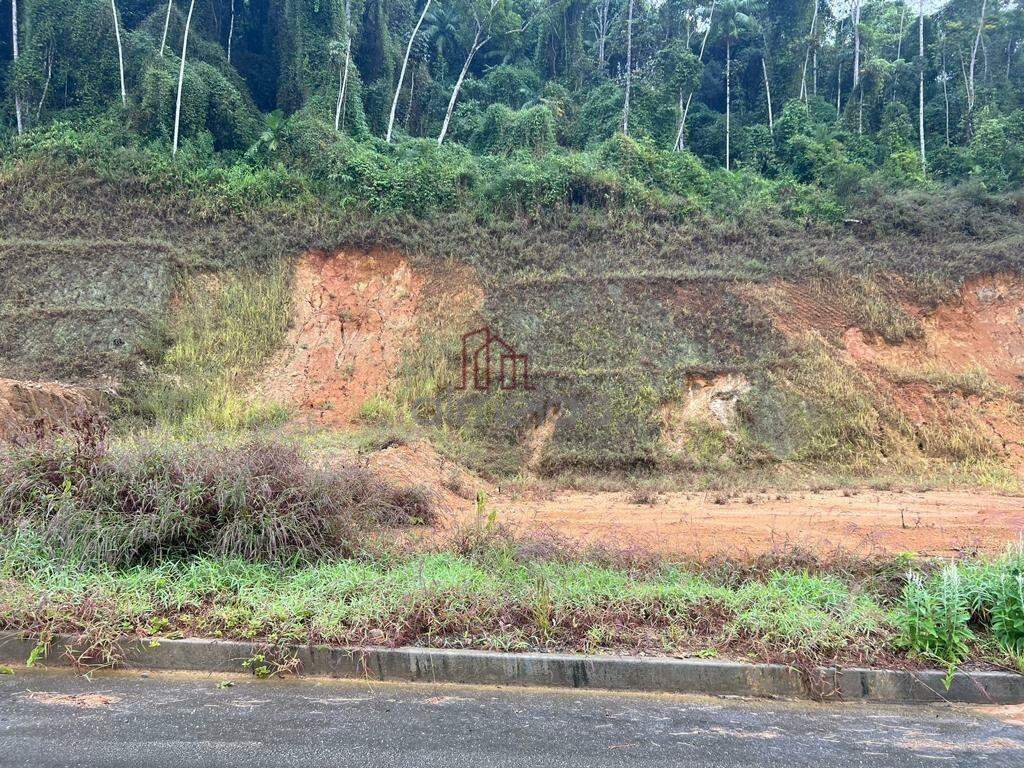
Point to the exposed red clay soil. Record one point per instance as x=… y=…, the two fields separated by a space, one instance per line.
x=864 y=522
x=353 y=312
x=23 y=404
x=984 y=331
x=982 y=334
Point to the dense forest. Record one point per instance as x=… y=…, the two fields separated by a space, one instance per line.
x=408 y=103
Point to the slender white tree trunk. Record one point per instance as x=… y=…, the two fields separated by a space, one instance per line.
x=412 y=95
x=181 y=77
x=401 y=76
x=839 y=87
x=945 y=95
x=681 y=133
x=120 y=53
x=974 y=59
x=856 y=43
x=920 y=106
x=231 y=30
x=683 y=108
x=629 y=68
x=343 y=77
x=476 y=46
x=601 y=26
x=899 y=51
x=46 y=84
x=167 y=26
x=342 y=86
x=768 y=95
x=728 y=100
x=807 y=55
x=14 y=45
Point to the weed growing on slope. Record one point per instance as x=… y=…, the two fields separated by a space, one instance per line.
x=221 y=330
x=258 y=500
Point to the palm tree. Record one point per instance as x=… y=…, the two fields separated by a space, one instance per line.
x=441 y=31
x=734 y=22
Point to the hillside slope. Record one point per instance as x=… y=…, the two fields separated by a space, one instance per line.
x=697 y=345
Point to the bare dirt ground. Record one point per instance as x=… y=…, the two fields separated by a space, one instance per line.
x=23 y=404
x=704 y=524
x=695 y=524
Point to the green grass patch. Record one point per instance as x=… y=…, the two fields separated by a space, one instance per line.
x=491 y=598
x=222 y=328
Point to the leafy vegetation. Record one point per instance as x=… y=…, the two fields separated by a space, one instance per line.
x=941 y=616
x=809 y=107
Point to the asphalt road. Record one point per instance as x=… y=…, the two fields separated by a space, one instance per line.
x=125 y=719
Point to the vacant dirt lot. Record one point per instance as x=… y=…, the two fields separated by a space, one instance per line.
x=862 y=522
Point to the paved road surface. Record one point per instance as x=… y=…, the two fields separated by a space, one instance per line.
x=124 y=719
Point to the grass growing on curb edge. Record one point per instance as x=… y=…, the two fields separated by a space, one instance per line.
x=254 y=542
x=519 y=595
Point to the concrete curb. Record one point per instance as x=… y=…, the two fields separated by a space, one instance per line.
x=615 y=673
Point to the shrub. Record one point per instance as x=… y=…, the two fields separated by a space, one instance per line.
x=502 y=131
x=933 y=617
x=259 y=501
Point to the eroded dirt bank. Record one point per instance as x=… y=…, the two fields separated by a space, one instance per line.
x=353 y=312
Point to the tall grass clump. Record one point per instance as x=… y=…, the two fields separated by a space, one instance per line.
x=222 y=329
x=259 y=501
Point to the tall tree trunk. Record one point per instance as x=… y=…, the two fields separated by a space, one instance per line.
x=839 y=69
x=14 y=47
x=181 y=77
x=401 y=76
x=920 y=105
x=343 y=76
x=476 y=46
x=167 y=26
x=683 y=108
x=945 y=95
x=899 y=51
x=412 y=95
x=601 y=25
x=231 y=30
x=681 y=133
x=970 y=75
x=855 y=18
x=814 y=64
x=807 y=55
x=728 y=99
x=342 y=86
x=46 y=84
x=120 y=53
x=629 y=68
x=768 y=96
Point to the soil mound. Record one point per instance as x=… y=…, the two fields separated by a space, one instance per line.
x=26 y=406
x=418 y=465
